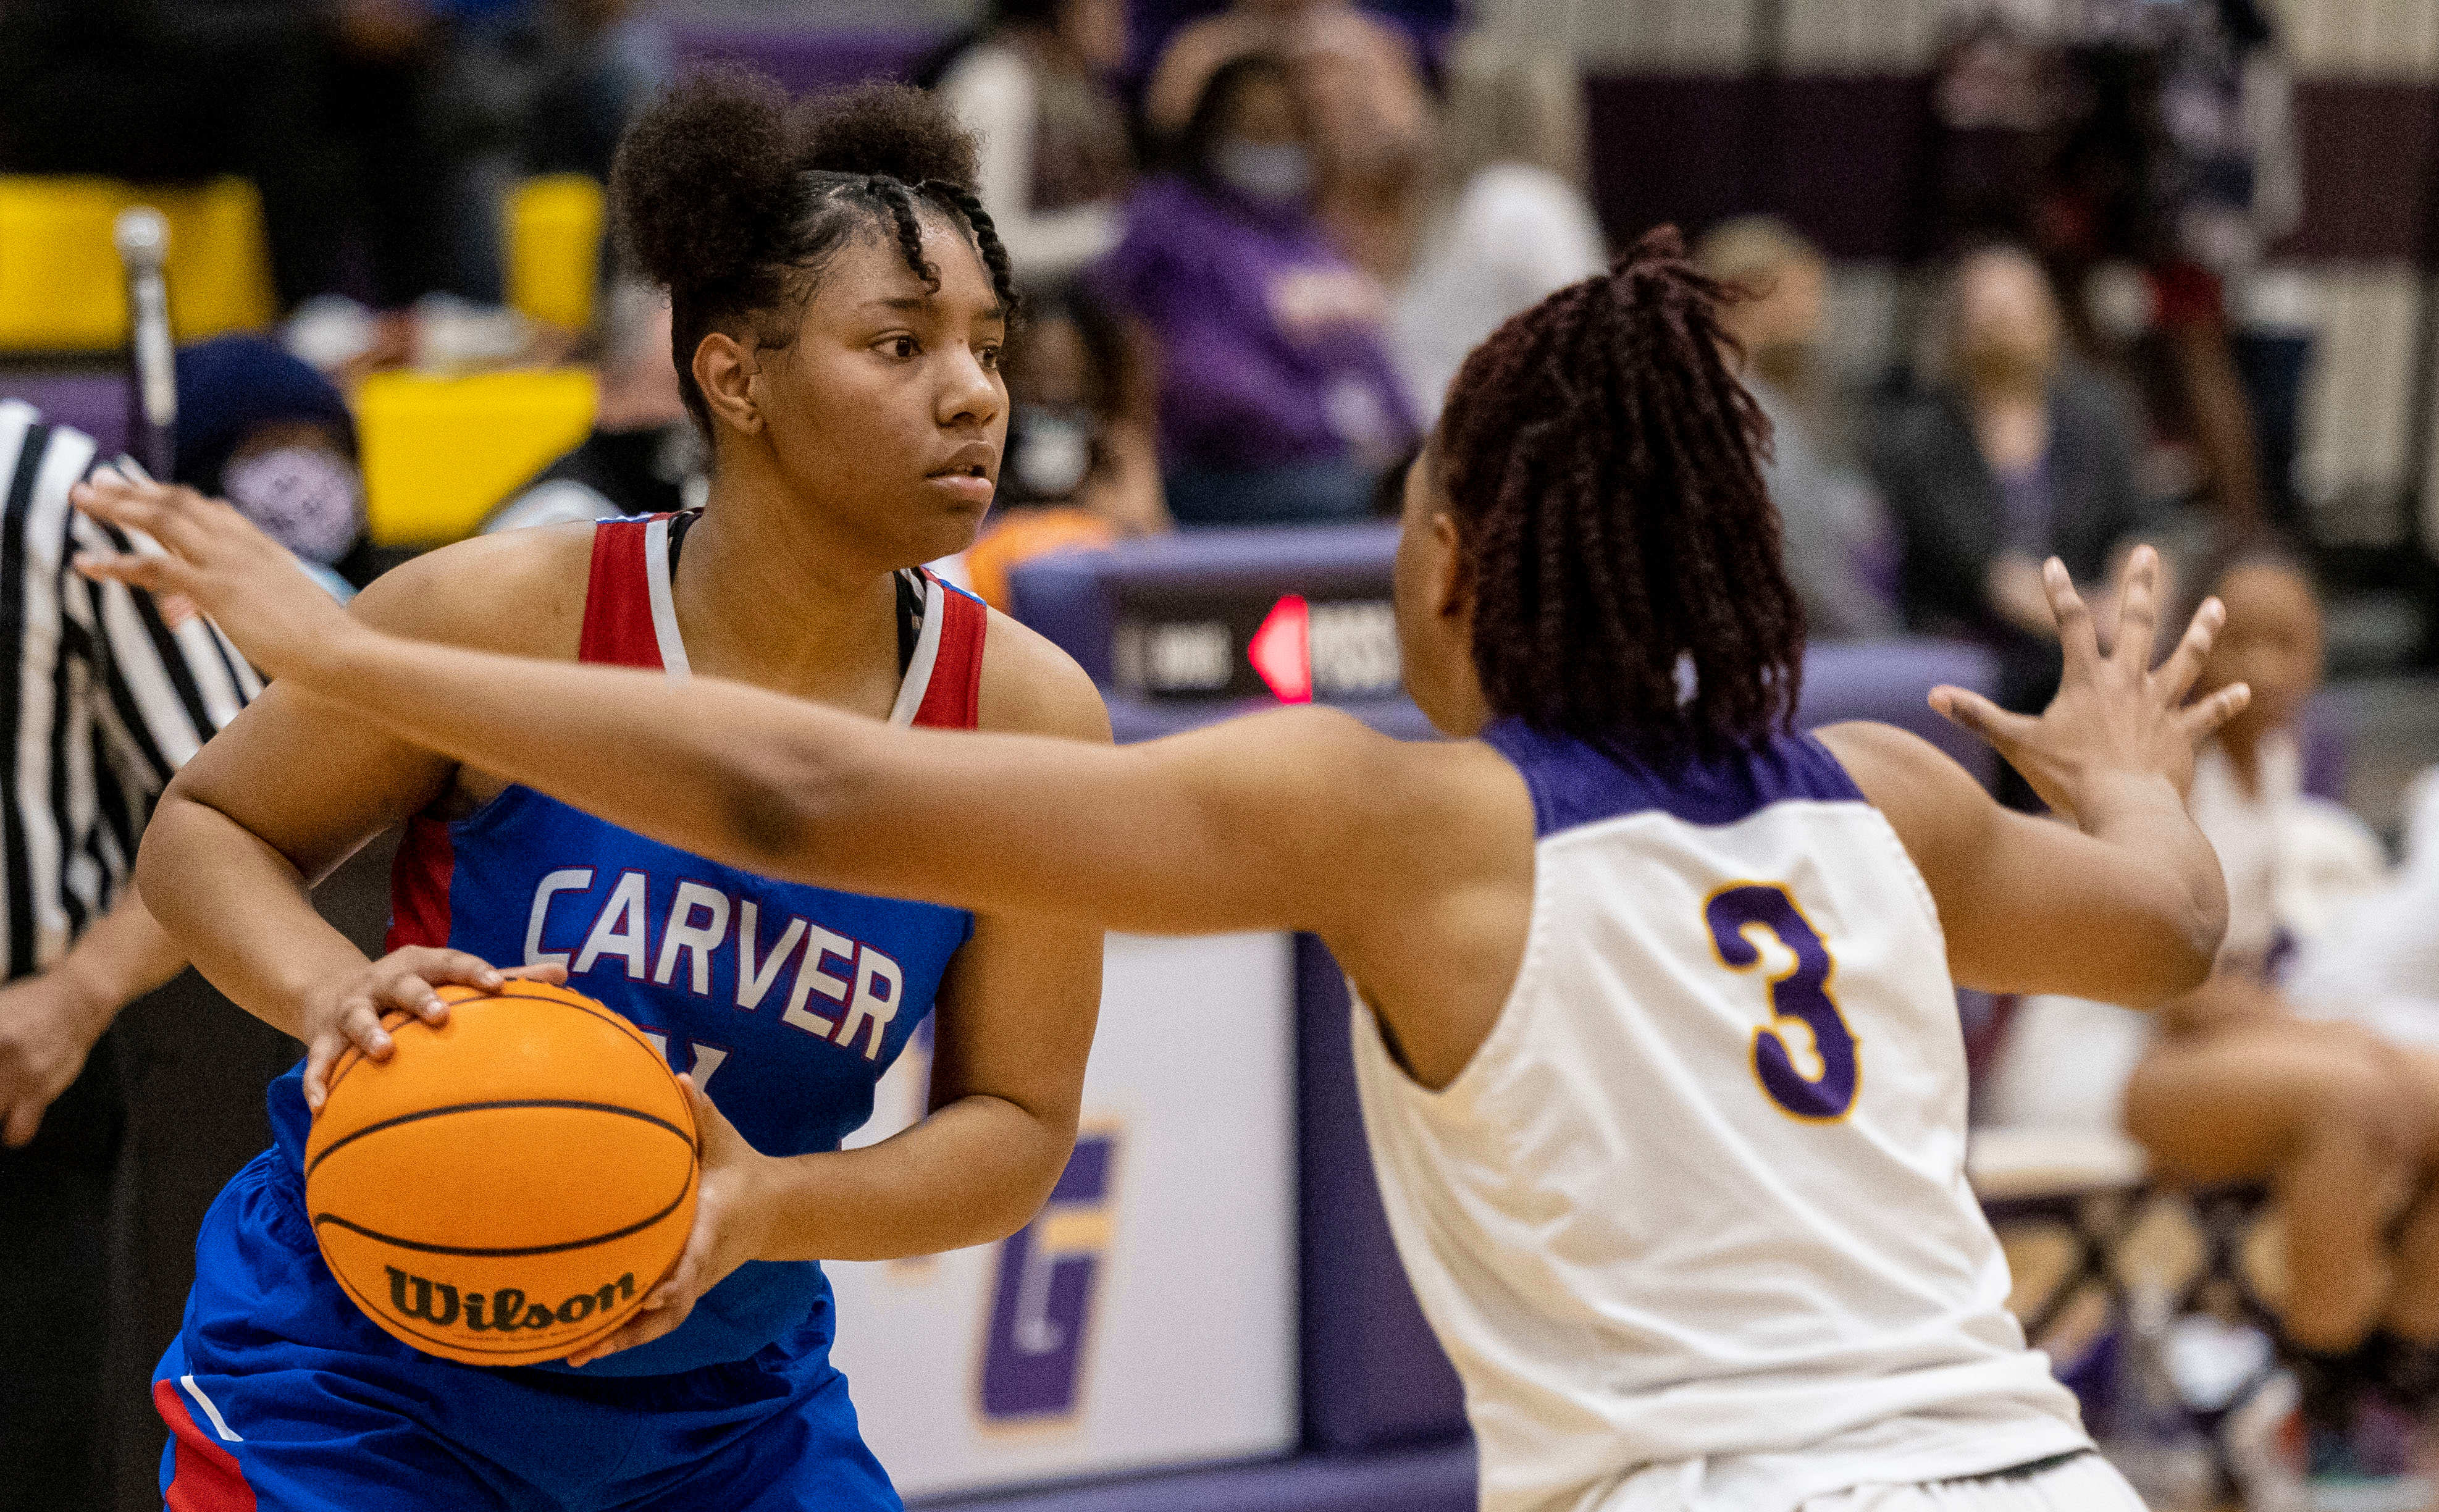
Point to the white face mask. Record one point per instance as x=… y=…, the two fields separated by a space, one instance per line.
x=304 y=497
x=1265 y=172
x=1052 y=453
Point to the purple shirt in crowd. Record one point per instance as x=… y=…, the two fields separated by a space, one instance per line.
x=1270 y=341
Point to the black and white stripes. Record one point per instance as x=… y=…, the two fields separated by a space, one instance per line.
x=103 y=694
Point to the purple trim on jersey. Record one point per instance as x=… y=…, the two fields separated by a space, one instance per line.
x=1575 y=782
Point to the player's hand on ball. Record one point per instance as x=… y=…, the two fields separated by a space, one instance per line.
x=248 y=583
x=728 y=1231
x=2115 y=717
x=349 y=1014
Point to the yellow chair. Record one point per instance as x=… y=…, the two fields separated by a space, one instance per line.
x=554 y=248
x=61 y=288
x=439 y=453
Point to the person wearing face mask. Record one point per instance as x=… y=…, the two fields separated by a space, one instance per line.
x=2014 y=453
x=265 y=430
x=1079 y=471
x=1276 y=399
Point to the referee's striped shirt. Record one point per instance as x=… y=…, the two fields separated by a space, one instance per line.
x=102 y=697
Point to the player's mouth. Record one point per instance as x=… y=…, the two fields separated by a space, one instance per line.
x=966 y=476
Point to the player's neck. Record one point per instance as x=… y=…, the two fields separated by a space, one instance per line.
x=768 y=596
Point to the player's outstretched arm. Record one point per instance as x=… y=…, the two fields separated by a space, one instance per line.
x=1260 y=824
x=2122 y=902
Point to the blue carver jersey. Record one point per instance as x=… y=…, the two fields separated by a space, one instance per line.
x=787 y=1003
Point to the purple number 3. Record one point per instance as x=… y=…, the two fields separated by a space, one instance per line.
x=1802 y=994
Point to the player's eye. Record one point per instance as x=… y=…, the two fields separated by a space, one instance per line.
x=901 y=346
x=990 y=358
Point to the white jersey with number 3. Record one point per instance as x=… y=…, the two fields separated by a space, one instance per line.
x=1693 y=1224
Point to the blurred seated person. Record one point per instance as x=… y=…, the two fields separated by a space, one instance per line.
x=1276 y=399
x=1508 y=223
x=2310 y=1059
x=1834 y=533
x=1035 y=89
x=266 y=431
x=2014 y=453
x=1077 y=472
x=644 y=455
x=1370 y=113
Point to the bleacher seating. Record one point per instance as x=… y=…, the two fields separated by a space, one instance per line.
x=440 y=452
x=62 y=288
x=553 y=248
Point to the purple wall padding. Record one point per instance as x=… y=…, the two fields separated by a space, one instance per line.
x=1891 y=681
x=1374 y=1375
x=1432 y=1480
x=94 y=403
x=802 y=61
x=1072 y=597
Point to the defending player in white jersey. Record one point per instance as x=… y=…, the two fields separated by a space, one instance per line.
x=1659 y=1049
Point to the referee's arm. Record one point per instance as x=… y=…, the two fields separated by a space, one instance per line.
x=102 y=695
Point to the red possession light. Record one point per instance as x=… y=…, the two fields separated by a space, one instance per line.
x=1281 y=651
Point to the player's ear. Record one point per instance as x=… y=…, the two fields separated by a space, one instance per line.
x=1451 y=584
x=726 y=370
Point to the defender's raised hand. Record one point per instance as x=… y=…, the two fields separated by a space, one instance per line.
x=2116 y=717
x=248 y=583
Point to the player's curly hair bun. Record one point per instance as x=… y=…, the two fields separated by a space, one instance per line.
x=734 y=196
x=892 y=130
x=1600 y=457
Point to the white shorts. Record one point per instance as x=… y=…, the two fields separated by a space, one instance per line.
x=2084 y=1484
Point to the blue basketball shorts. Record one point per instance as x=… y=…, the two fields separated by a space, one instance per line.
x=281 y=1396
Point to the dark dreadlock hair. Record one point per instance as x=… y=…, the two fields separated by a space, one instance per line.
x=1623 y=552
x=736 y=196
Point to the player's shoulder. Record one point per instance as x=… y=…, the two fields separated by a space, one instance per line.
x=1935 y=806
x=1031 y=686
x=518 y=590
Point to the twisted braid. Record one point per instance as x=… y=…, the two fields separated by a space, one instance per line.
x=1624 y=553
x=898 y=202
x=966 y=202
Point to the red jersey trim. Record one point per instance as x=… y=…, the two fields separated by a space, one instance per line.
x=204 y=1476
x=419 y=877
x=953 y=697
x=618 y=627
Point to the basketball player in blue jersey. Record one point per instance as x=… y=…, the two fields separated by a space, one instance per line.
x=839 y=305
x=1657 y=1035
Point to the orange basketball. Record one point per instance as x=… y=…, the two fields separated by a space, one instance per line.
x=504 y=1189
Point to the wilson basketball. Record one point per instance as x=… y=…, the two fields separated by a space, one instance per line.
x=506 y=1187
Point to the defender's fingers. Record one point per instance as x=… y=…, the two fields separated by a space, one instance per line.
x=1994 y=725
x=2175 y=675
x=160 y=575
x=2076 y=633
x=2138 y=609
x=553 y=975
x=2205 y=717
x=170 y=515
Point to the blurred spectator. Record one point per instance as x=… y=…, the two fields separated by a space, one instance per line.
x=1364 y=94
x=1078 y=472
x=1833 y=532
x=644 y=457
x=1507 y=222
x=266 y=431
x=1056 y=158
x=2012 y=453
x=1276 y=399
x=2237 y=1086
